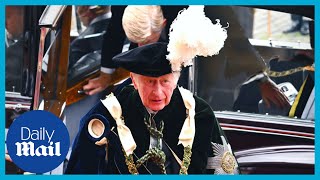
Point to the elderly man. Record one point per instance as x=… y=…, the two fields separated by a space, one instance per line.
x=152 y=127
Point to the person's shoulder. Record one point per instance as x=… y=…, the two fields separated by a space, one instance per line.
x=89 y=30
x=202 y=105
x=200 y=100
x=273 y=61
x=126 y=90
x=126 y=93
x=101 y=22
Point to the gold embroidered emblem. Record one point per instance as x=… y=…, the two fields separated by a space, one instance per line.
x=223 y=161
x=228 y=163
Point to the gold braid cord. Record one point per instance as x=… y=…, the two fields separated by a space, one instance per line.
x=186 y=160
x=154 y=131
x=157 y=155
x=130 y=163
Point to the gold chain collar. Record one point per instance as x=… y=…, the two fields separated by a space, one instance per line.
x=288 y=72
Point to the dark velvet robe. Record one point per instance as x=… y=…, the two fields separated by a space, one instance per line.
x=88 y=158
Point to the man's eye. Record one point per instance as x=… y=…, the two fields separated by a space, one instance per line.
x=165 y=81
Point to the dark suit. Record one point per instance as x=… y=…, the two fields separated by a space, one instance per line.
x=14 y=59
x=88 y=158
x=85 y=43
x=249 y=94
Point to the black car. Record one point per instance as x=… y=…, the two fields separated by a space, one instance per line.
x=266 y=144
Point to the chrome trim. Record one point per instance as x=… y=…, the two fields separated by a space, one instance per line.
x=264 y=132
x=17 y=106
x=270 y=119
x=10 y=94
x=51 y=16
x=280 y=44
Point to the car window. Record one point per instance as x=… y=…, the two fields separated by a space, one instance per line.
x=280 y=26
x=14 y=39
x=282 y=40
x=14 y=53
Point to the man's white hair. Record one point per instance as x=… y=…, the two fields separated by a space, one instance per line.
x=140 y=21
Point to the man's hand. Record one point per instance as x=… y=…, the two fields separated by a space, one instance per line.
x=98 y=84
x=271 y=93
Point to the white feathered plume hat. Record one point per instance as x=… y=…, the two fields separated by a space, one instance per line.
x=193 y=34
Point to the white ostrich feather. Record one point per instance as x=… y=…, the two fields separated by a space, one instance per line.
x=193 y=34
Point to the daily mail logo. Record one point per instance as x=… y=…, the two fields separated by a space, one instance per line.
x=37 y=141
x=28 y=148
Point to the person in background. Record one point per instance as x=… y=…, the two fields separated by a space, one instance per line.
x=14 y=47
x=144 y=24
x=14 y=24
x=96 y=20
x=298 y=25
x=294 y=70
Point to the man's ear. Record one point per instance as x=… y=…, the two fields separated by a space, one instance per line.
x=134 y=80
x=164 y=23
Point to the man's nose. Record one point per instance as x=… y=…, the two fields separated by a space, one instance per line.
x=157 y=89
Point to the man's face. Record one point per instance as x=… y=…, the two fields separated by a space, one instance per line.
x=14 y=21
x=155 y=92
